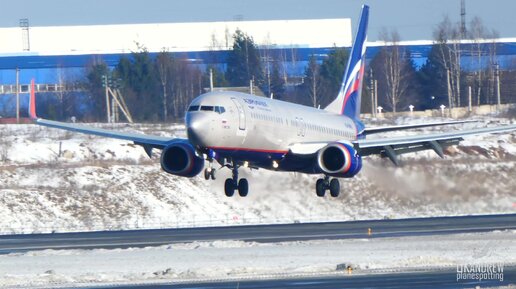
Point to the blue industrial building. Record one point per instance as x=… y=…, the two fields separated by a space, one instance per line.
x=44 y=68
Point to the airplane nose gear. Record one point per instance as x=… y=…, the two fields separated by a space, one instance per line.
x=209 y=172
x=233 y=184
x=325 y=184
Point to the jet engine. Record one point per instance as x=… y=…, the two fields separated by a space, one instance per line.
x=339 y=160
x=180 y=159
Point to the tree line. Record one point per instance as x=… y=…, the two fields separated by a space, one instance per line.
x=452 y=72
x=160 y=87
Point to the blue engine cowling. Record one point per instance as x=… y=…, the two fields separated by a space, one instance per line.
x=180 y=159
x=339 y=160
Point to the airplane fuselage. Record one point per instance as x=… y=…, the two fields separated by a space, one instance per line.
x=259 y=130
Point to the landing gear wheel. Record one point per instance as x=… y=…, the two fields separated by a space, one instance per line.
x=207 y=174
x=234 y=183
x=212 y=174
x=229 y=187
x=243 y=187
x=320 y=189
x=334 y=188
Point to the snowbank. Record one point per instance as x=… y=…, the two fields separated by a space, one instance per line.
x=53 y=180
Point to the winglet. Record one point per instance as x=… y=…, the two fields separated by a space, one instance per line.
x=32 y=101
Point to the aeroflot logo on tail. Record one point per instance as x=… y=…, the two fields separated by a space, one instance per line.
x=255 y=102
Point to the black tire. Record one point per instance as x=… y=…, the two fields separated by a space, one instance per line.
x=212 y=174
x=320 y=190
x=243 y=187
x=334 y=188
x=229 y=188
x=206 y=174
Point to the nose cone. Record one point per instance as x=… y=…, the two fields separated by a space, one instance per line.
x=197 y=128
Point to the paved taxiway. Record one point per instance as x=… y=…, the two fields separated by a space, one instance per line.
x=258 y=233
x=424 y=279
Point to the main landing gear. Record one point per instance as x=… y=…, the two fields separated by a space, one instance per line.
x=233 y=184
x=326 y=184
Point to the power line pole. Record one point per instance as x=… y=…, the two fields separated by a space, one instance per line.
x=17 y=95
x=375 y=96
x=211 y=79
x=497 y=71
x=108 y=105
x=469 y=99
x=449 y=90
x=371 y=86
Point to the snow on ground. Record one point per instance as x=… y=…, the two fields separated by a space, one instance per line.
x=52 y=180
x=235 y=259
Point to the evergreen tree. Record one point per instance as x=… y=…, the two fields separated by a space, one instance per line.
x=332 y=72
x=277 y=82
x=140 y=85
x=96 y=95
x=219 y=78
x=243 y=63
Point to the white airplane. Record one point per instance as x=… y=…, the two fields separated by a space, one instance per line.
x=243 y=130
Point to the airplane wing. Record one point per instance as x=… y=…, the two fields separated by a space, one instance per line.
x=148 y=142
x=392 y=147
x=140 y=139
x=372 y=130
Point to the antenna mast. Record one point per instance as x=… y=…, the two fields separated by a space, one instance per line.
x=462 y=19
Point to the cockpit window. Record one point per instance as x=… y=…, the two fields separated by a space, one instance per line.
x=207 y=107
x=193 y=108
x=217 y=109
x=220 y=109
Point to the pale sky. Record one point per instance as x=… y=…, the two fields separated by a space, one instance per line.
x=414 y=19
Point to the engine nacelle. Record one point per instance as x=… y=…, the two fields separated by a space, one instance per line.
x=180 y=159
x=339 y=160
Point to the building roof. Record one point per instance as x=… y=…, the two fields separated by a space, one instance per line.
x=174 y=37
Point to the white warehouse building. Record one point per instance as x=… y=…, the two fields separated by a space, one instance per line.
x=174 y=37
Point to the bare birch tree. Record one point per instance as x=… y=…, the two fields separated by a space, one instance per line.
x=447 y=38
x=477 y=34
x=394 y=68
x=164 y=61
x=313 y=80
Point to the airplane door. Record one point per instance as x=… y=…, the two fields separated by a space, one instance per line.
x=301 y=126
x=241 y=114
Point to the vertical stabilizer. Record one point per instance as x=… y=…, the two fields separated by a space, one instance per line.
x=348 y=99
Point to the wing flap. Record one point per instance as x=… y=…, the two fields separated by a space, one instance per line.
x=372 y=130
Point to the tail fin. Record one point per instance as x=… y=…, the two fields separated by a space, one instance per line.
x=32 y=101
x=348 y=99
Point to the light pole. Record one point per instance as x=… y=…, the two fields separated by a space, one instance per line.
x=105 y=85
x=497 y=73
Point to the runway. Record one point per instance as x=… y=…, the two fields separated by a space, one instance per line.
x=424 y=279
x=259 y=233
